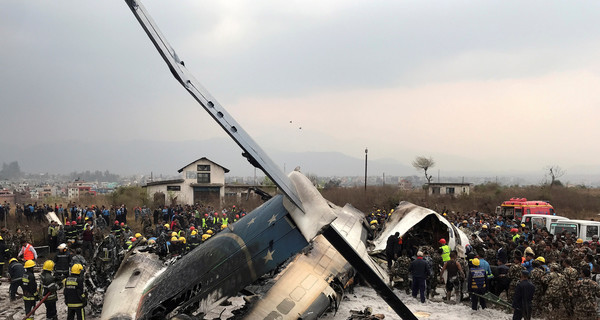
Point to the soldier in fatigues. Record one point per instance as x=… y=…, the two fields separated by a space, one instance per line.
x=537 y=279
x=514 y=274
x=436 y=263
x=571 y=276
x=586 y=290
x=401 y=271
x=555 y=284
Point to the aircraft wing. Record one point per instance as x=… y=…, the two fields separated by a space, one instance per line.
x=252 y=150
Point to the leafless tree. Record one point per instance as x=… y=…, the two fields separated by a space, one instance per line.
x=554 y=172
x=424 y=163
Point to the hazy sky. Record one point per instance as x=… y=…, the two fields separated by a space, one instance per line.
x=478 y=85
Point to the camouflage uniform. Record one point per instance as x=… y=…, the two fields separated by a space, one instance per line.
x=401 y=271
x=586 y=291
x=514 y=274
x=490 y=256
x=436 y=263
x=537 y=279
x=571 y=276
x=555 y=284
x=552 y=256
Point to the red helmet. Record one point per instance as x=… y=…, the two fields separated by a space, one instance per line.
x=122 y=224
x=216 y=214
x=443 y=241
x=78 y=218
x=192 y=228
x=224 y=214
x=243 y=214
x=237 y=216
x=116 y=222
x=206 y=215
x=73 y=223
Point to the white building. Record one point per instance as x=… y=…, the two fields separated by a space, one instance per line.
x=452 y=189
x=202 y=181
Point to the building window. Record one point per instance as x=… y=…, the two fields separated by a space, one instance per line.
x=203 y=177
x=435 y=190
x=190 y=174
x=204 y=167
x=173 y=188
x=450 y=190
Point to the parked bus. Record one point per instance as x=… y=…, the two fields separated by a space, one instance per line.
x=515 y=208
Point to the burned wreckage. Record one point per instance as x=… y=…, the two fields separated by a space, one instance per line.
x=328 y=243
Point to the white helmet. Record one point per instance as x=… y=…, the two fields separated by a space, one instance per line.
x=62 y=246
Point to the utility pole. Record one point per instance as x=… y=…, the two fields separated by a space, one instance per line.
x=366 y=151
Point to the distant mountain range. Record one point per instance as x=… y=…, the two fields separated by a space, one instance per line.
x=159 y=157
x=166 y=157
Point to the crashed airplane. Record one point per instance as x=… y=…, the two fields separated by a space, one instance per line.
x=253 y=246
x=426 y=224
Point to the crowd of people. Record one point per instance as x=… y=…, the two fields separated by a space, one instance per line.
x=539 y=274
x=87 y=244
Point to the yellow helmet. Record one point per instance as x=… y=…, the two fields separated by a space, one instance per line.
x=12 y=260
x=1 y=238
x=173 y=234
x=205 y=236
x=182 y=239
x=475 y=262
x=209 y=231
x=167 y=226
x=76 y=268
x=194 y=232
x=223 y=226
x=541 y=259
x=174 y=239
x=522 y=225
x=48 y=265
x=374 y=222
x=138 y=235
x=29 y=264
x=579 y=240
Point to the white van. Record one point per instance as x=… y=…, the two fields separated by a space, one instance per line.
x=540 y=220
x=584 y=229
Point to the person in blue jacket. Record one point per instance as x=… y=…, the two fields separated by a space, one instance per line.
x=477 y=284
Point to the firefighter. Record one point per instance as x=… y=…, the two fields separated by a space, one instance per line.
x=4 y=254
x=62 y=261
x=75 y=297
x=204 y=222
x=194 y=241
x=182 y=245
x=48 y=285
x=15 y=275
x=29 y=286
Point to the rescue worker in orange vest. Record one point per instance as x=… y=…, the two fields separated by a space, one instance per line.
x=27 y=251
x=75 y=297
x=30 y=295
